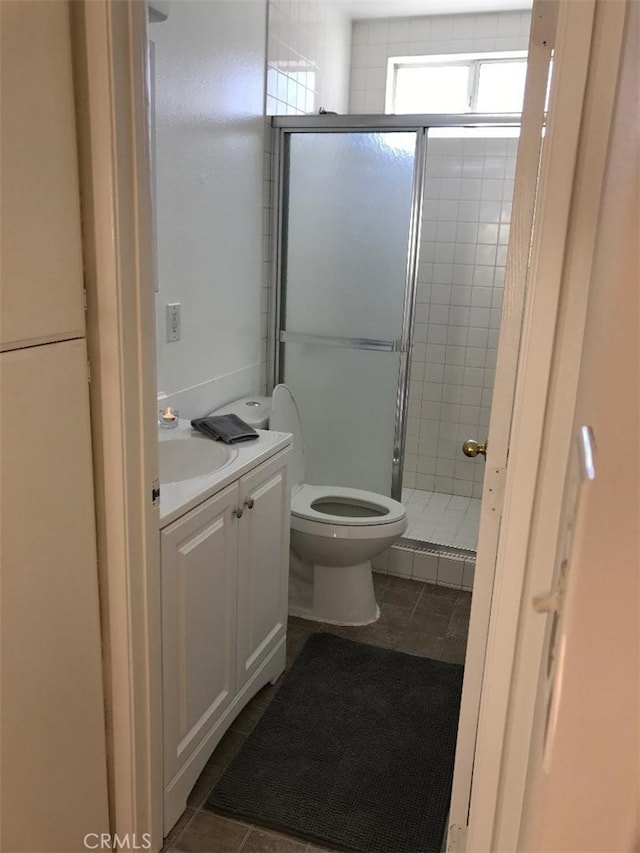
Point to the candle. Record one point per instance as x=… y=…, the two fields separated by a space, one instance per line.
x=169 y=417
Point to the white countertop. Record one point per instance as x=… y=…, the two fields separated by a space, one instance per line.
x=179 y=497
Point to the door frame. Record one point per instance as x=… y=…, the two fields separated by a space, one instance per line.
x=110 y=75
x=562 y=255
x=544 y=173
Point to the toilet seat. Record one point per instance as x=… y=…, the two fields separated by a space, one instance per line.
x=372 y=509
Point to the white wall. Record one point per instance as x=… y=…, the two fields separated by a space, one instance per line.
x=373 y=42
x=308 y=56
x=209 y=107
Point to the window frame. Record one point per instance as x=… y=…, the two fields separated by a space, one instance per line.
x=472 y=61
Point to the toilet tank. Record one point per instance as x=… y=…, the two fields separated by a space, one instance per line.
x=254 y=411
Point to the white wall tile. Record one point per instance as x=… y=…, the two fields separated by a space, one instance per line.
x=456 y=310
x=450 y=571
x=425 y=567
x=468 y=574
x=400 y=561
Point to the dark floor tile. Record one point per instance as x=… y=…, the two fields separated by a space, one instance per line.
x=458 y=629
x=434 y=605
x=462 y=609
x=425 y=645
x=292 y=656
x=259 y=841
x=385 y=636
x=210 y=833
x=380 y=581
x=177 y=829
x=301 y=632
x=401 y=596
x=227 y=748
x=426 y=622
x=205 y=782
x=453 y=651
x=404 y=583
x=296 y=638
x=247 y=718
x=394 y=616
x=264 y=696
x=464 y=597
x=298 y=622
x=442 y=591
x=347 y=632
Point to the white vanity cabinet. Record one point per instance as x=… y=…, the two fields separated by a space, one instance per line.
x=262 y=585
x=224 y=615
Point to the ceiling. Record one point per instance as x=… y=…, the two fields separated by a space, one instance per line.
x=359 y=9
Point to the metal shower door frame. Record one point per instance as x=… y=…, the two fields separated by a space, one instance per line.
x=282 y=128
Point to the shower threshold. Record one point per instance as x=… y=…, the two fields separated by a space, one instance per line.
x=438 y=521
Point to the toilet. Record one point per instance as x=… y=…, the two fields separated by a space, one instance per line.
x=335 y=531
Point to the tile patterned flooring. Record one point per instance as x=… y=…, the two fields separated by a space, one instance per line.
x=442 y=519
x=415 y=617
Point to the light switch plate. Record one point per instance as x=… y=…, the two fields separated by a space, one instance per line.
x=173 y=322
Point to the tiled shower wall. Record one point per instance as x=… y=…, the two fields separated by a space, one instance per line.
x=373 y=42
x=465 y=230
x=308 y=57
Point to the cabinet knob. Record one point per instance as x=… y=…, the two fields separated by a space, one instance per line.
x=238 y=512
x=249 y=502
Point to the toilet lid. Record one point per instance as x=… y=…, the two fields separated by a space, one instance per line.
x=285 y=417
x=357 y=508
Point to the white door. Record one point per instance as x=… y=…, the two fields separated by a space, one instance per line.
x=198 y=557
x=263 y=558
x=52 y=720
x=40 y=197
x=583 y=784
x=489 y=573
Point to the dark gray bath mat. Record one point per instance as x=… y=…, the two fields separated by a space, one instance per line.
x=355 y=751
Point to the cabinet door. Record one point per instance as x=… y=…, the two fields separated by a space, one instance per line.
x=52 y=721
x=41 y=264
x=263 y=563
x=198 y=624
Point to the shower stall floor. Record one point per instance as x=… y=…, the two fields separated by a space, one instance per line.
x=447 y=520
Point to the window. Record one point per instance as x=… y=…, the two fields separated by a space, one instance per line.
x=459 y=83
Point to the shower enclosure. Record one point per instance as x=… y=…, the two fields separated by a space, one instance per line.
x=390 y=244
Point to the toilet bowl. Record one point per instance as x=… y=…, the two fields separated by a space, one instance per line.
x=335 y=531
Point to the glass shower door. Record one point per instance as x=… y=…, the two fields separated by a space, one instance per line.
x=348 y=218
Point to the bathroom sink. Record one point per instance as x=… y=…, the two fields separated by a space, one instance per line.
x=185 y=457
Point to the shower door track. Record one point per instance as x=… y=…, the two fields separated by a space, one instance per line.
x=373 y=123
x=327 y=123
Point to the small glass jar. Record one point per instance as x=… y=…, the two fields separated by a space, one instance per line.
x=168 y=418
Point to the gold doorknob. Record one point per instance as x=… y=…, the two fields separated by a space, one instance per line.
x=472 y=448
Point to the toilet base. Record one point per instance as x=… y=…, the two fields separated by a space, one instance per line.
x=306 y=613
x=336 y=595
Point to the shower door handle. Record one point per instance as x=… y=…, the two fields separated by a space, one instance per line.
x=346 y=343
x=473 y=448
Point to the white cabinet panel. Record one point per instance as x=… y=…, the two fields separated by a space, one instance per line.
x=52 y=727
x=41 y=265
x=225 y=569
x=263 y=555
x=198 y=624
